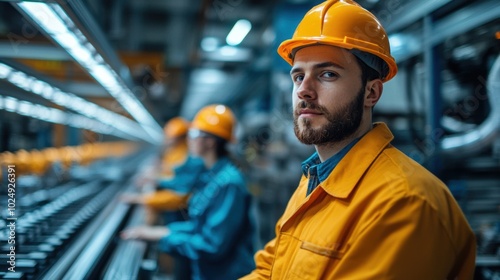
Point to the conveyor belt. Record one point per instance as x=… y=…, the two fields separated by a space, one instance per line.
x=127 y=257
x=73 y=235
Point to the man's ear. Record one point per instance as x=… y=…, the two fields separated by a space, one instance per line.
x=373 y=92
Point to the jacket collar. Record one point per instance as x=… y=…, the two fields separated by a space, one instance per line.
x=351 y=168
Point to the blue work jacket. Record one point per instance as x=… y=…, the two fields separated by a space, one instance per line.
x=220 y=235
x=186 y=176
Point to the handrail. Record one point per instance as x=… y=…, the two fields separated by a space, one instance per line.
x=128 y=267
x=100 y=235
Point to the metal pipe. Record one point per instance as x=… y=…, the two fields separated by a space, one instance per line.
x=476 y=140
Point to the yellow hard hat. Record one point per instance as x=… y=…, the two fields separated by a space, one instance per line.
x=176 y=127
x=345 y=24
x=217 y=120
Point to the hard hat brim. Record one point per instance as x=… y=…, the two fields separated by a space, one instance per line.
x=288 y=48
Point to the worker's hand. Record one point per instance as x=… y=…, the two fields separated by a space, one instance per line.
x=132 y=198
x=144 y=182
x=148 y=233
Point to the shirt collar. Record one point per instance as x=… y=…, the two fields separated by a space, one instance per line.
x=325 y=168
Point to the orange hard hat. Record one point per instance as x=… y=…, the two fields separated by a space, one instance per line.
x=176 y=127
x=344 y=24
x=217 y=120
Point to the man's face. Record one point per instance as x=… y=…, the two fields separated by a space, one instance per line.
x=328 y=97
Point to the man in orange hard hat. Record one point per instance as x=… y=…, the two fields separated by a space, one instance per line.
x=363 y=209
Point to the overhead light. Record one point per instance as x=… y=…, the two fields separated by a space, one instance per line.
x=229 y=54
x=404 y=45
x=208 y=76
x=72 y=102
x=53 y=20
x=228 y=51
x=53 y=115
x=396 y=41
x=238 y=32
x=209 y=44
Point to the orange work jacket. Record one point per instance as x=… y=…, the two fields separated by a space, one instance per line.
x=169 y=200
x=173 y=157
x=378 y=215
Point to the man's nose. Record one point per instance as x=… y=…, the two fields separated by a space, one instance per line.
x=306 y=89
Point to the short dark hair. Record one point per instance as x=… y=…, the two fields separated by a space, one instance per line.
x=220 y=147
x=367 y=73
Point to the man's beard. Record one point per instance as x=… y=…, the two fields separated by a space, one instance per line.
x=341 y=124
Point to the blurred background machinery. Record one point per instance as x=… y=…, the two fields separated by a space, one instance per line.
x=86 y=85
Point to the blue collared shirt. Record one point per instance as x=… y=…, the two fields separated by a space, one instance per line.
x=317 y=171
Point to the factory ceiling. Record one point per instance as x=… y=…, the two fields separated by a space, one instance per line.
x=172 y=55
x=172 y=49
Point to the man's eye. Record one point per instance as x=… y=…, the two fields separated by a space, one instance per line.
x=329 y=74
x=298 y=78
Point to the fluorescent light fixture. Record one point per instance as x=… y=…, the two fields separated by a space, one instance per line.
x=404 y=45
x=54 y=21
x=4 y=71
x=238 y=32
x=396 y=41
x=53 y=115
x=72 y=102
x=208 y=76
x=228 y=51
x=10 y=104
x=229 y=54
x=209 y=44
